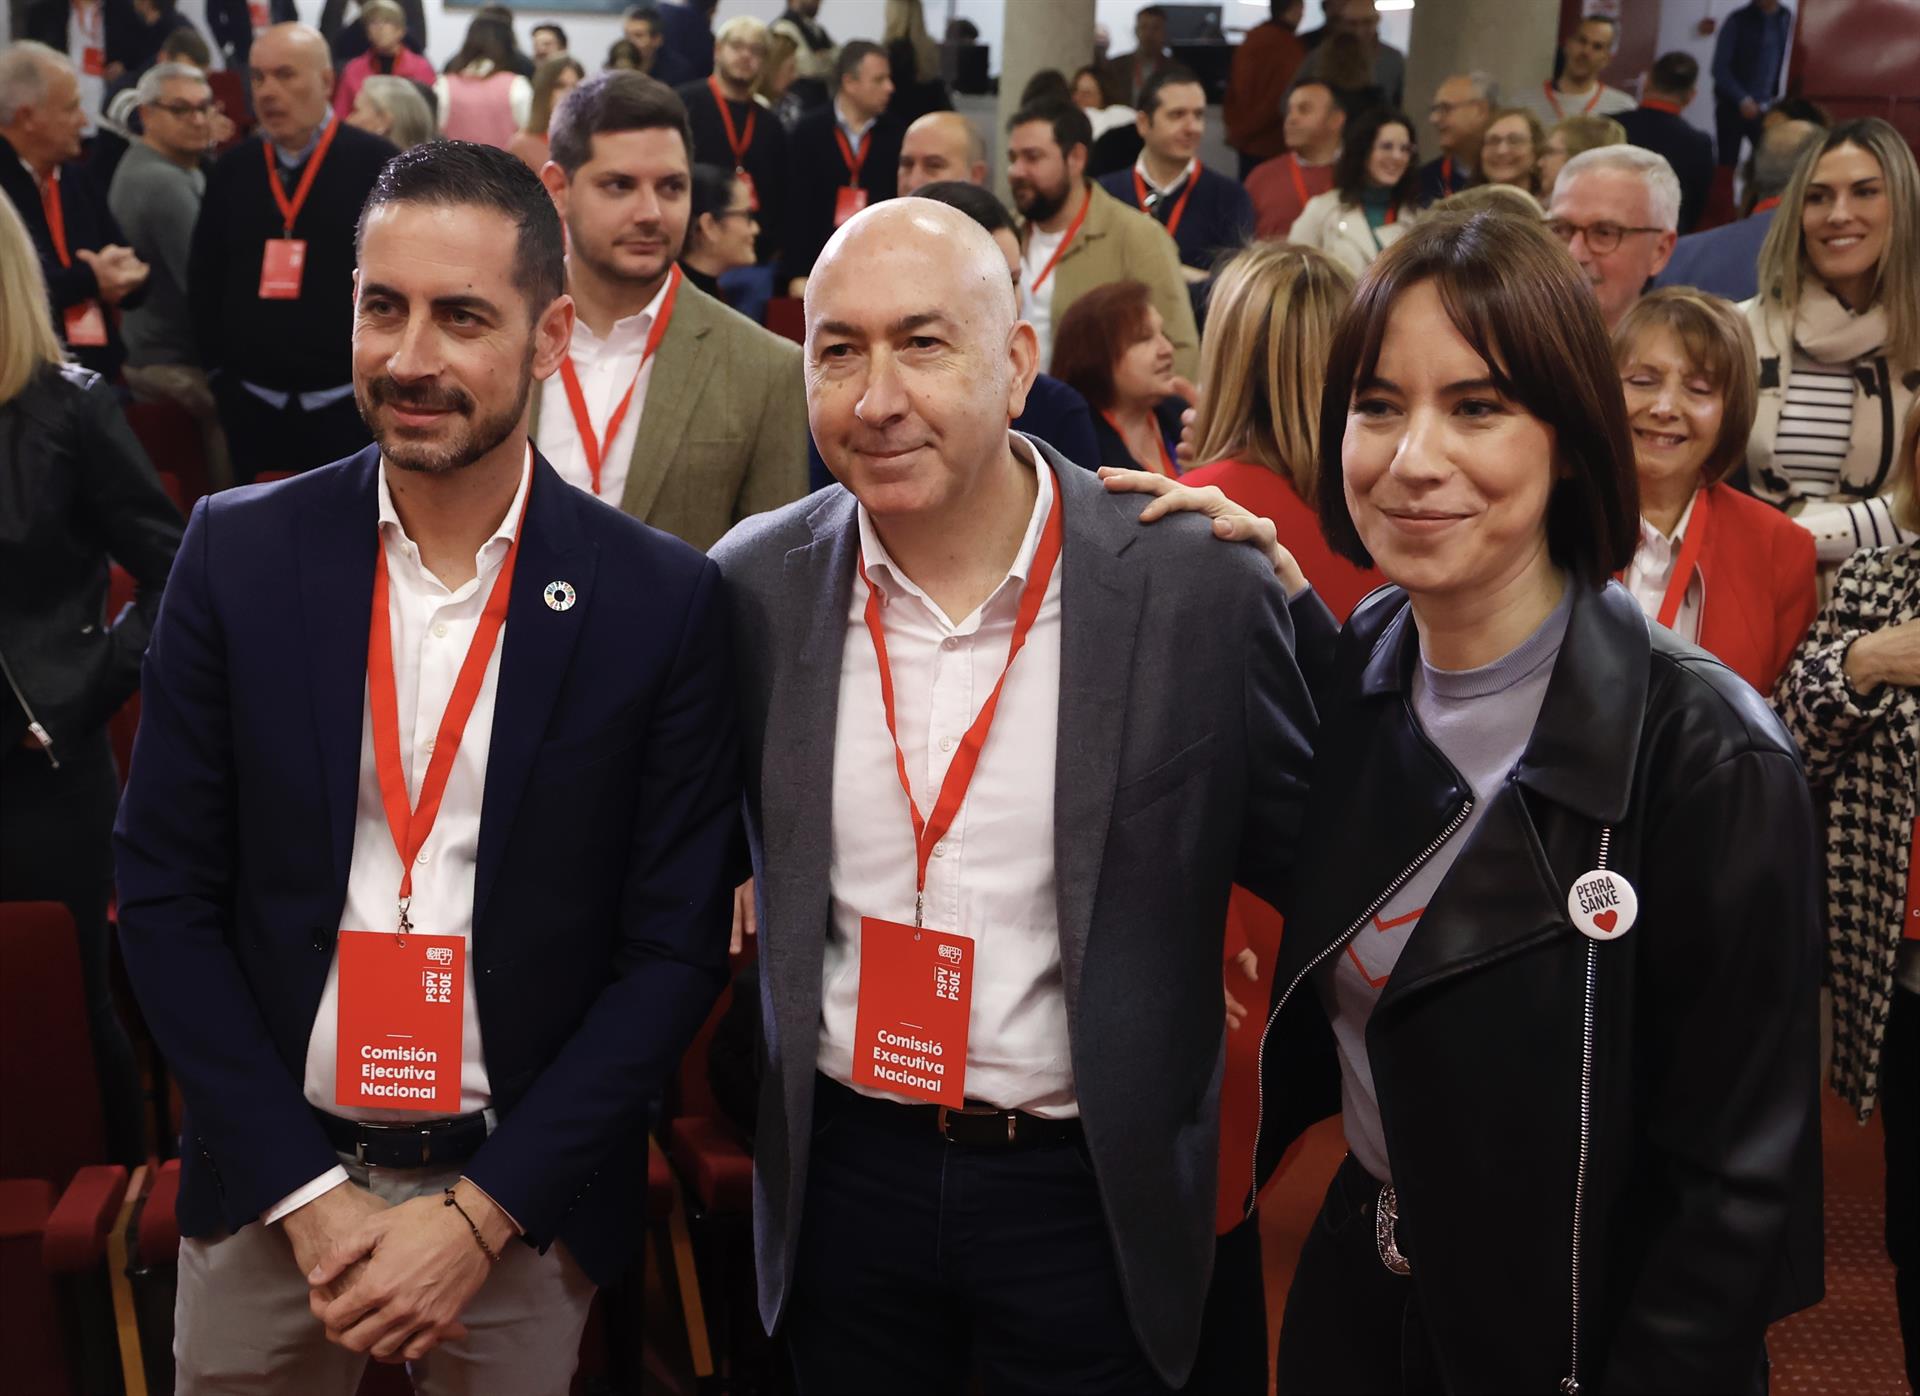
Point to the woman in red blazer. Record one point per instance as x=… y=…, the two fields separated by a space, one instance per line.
x=1720 y=568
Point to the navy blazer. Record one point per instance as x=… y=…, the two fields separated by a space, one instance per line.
x=608 y=840
x=1722 y=261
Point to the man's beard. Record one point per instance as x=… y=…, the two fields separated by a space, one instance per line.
x=582 y=247
x=1042 y=204
x=483 y=434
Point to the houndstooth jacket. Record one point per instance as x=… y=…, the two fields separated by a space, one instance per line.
x=1863 y=755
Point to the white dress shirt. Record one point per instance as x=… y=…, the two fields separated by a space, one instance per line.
x=1652 y=568
x=1037 y=308
x=991 y=879
x=432 y=628
x=605 y=367
x=1155 y=186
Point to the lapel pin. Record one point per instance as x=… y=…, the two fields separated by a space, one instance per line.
x=1603 y=905
x=561 y=595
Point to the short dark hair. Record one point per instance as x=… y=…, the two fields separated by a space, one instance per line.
x=646 y=12
x=852 y=54
x=1050 y=84
x=712 y=192
x=554 y=30
x=185 y=45
x=1157 y=11
x=978 y=204
x=1597 y=18
x=1514 y=295
x=1069 y=123
x=461 y=174
x=1356 y=147
x=1173 y=75
x=1674 y=72
x=1095 y=331
x=616 y=100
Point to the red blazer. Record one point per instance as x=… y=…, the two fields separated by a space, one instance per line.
x=1757 y=573
x=1251 y=923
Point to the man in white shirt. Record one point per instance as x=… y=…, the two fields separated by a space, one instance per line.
x=423 y=871
x=669 y=405
x=1578 y=90
x=1007 y=754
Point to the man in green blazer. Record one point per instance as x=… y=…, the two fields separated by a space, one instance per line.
x=682 y=412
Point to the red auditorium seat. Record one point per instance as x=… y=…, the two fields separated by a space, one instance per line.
x=268 y=476
x=57 y=1202
x=172 y=441
x=787 y=317
x=229 y=90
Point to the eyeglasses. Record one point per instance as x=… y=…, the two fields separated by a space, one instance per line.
x=1602 y=238
x=734 y=213
x=1516 y=141
x=186 y=109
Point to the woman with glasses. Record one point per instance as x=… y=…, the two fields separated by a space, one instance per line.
x=721 y=227
x=1837 y=326
x=1510 y=150
x=1372 y=199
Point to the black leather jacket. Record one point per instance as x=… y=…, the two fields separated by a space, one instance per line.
x=1661 y=1087
x=75 y=490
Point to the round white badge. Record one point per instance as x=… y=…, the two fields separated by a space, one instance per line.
x=560 y=595
x=1603 y=905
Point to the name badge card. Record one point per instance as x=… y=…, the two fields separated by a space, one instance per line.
x=85 y=325
x=401 y=1001
x=93 y=61
x=910 y=1029
x=281 y=269
x=847 y=201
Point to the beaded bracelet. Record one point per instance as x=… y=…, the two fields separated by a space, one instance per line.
x=449 y=1200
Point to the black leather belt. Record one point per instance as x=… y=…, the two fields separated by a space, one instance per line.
x=976 y=1126
x=434 y=1143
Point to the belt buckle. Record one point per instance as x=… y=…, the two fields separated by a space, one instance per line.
x=1386 y=1214
x=426 y=1146
x=946 y=1112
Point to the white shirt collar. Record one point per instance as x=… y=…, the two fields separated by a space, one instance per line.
x=887 y=575
x=491 y=552
x=855 y=134
x=1662 y=548
x=628 y=335
x=1186 y=173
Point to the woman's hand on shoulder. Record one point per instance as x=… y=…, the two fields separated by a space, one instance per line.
x=1888 y=655
x=1231 y=523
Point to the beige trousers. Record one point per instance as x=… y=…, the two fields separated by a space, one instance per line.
x=242 y=1326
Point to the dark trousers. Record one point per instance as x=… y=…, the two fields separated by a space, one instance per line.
x=56 y=832
x=1351 y=1325
x=1900 y=1115
x=263 y=438
x=1233 y=1333
x=922 y=1263
x=1729 y=129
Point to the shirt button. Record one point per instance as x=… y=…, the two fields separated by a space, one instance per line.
x=423 y=856
x=427 y=746
x=440 y=630
x=946 y=744
x=939 y=850
x=950 y=643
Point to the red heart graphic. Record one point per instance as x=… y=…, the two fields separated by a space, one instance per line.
x=1607 y=920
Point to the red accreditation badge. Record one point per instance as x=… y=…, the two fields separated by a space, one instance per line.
x=1912 y=931
x=281 y=269
x=93 y=61
x=401 y=1000
x=258 y=14
x=910 y=1031
x=85 y=325
x=753 y=194
x=847 y=201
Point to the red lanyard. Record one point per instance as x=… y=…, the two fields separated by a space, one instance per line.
x=1690 y=546
x=1393 y=216
x=846 y=153
x=1179 y=208
x=1553 y=98
x=596 y=447
x=1299 y=180
x=290 y=208
x=736 y=142
x=1166 y=461
x=953 y=790
x=1655 y=104
x=56 y=216
x=1766 y=204
x=410 y=827
x=1446 y=175
x=1065 y=242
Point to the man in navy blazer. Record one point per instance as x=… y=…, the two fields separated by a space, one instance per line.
x=573 y=883
x=1722 y=261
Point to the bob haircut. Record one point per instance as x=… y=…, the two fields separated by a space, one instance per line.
x=1096 y=330
x=1906 y=484
x=1514 y=294
x=1719 y=345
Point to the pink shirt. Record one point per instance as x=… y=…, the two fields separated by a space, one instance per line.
x=480 y=109
x=406 y=64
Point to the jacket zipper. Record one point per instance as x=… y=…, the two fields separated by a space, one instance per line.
x=1260 y=1072
x=40 y=734
x=1571 y=1386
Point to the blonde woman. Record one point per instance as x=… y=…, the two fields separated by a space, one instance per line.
x=395 y=108
x=915 y=60
x=1837 y=327
x=1372 y=199
x=773 y=89
x=552 y=81
x=1574 y=136
x=79 y=492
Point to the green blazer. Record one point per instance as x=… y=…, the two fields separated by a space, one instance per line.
x=1118 y=243
x=724 y=430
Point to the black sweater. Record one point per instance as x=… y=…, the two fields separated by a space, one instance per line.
x=819 y=172
x=299 y=345
x=765 y=161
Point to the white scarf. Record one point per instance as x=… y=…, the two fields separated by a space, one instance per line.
x=1832 y=334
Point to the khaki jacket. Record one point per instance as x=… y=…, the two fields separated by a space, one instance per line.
x=724 y=430
x=1118 y=243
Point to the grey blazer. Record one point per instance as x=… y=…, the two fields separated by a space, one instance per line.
x=1183 y=751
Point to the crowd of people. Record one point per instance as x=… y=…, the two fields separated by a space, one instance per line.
x=1431 y=637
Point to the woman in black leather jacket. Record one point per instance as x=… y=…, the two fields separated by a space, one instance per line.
x=75 y=490
x=1558 y=962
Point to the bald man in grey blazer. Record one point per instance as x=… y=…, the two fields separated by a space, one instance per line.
x=1045 y=1221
